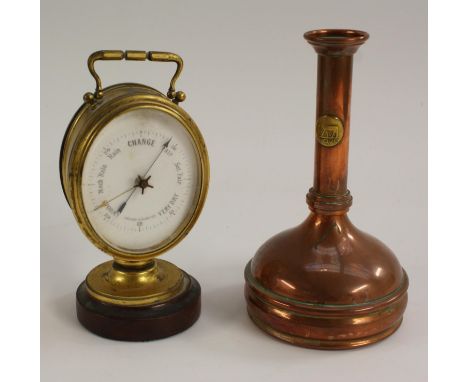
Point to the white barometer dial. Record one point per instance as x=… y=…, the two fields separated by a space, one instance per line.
x=140 y=180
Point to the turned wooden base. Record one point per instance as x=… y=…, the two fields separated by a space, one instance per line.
x=139 y=323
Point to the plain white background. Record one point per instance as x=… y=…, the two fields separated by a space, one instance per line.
x=250 y=83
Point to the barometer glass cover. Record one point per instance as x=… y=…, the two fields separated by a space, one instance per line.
x=140 y=180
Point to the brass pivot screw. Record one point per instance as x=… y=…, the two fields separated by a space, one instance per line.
x=176 y=97
x=93 y=98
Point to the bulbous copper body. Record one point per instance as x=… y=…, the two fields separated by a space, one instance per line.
x=326 y=284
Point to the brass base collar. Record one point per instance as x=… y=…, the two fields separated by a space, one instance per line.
x=115 y=284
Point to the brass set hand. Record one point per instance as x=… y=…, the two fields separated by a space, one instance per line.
x=106 y=202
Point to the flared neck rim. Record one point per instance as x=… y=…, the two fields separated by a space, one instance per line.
x=334 y=37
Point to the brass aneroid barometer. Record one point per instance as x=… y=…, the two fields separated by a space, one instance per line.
x=134 y=170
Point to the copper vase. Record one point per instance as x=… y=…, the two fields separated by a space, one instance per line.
x=326 y=284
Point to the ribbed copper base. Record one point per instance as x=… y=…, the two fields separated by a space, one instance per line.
x=323 y=326
x=324 y=344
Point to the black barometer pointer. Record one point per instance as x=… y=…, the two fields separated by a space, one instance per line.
x=143 y=178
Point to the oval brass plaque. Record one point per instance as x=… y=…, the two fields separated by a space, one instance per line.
x=329 y=130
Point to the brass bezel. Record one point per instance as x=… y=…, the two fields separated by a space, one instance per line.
x=84 y=128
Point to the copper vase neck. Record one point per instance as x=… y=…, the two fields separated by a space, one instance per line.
x=335 y=48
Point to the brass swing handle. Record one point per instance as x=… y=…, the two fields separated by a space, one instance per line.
x=134 y=55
